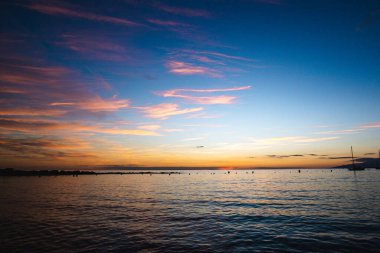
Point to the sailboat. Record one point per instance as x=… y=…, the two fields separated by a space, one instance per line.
x=354 y=168
x=378 y=161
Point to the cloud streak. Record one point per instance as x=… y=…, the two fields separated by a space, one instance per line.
x=371 y=125
x=291 y=139
x=45 y=149
x=166 y=110
x=95 y=104
x=211 y=63
x=58 y=9
x=95 y=47
x=183 y=94
x=43 y=126
x=167 y=23
x=183 y=11
x=183 y=68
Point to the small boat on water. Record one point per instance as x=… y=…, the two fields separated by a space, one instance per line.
x=378 y=162
x=354 y=168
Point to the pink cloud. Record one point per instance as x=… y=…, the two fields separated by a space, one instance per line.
x=20 y=111
x=11 y=90
x=372 y=125
x=182 y=68
x=29 y=75
x=224 y=99
x=200 y=62
x=96 y=104
x=43 y=126
x=51 y=91
x=166 y=22
x=163 y=111
x=206 y=59
x=183 y=11
x=54 y=9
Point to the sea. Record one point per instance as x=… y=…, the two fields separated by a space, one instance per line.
x=277 y=210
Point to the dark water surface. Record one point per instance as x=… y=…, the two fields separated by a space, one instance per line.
x=268 y=211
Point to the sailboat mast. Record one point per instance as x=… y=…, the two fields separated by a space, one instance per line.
x=352 y=155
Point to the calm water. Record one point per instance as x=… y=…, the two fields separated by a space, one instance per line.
x=268 y=211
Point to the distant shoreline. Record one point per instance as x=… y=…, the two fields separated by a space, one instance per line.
x=10 y=172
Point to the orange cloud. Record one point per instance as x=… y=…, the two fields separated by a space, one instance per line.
x=178 y=93
x=17 y=111
x=96 y=104
x=163 y=111
x=43 y=149
x=150 y=127
x=40 y=126
x=182 y=68
x=140 y=132
x=72 y=11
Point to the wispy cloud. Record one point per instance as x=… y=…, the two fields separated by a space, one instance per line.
x=183 y=68
x=30 y=75
x=171 y=130
x=338 y=157
x=285 y=156
x=203 y=115
x=371 y=125
x=310 y=155
x=346 y=131
x=167 y=23
x=95 y=104
x=307 y=140
x=183 y=93
x=150 y=127
x=95 y=47
x=217 y=55
x=165 y=110
x=355 y=130
x=43 y=126
x=51 y=91
x=63 y=9
x=212 y=63
x=291 y=139
x=182 y=11
x=193 y=139
x=25 y=111
x=44 y=148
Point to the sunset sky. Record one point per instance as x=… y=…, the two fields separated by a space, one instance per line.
x=256 y=83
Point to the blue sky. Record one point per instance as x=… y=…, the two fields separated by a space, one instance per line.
x=251 y=83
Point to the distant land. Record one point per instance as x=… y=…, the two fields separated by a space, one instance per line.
x=118 y=169
x=12 y=172
x=362 y=162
